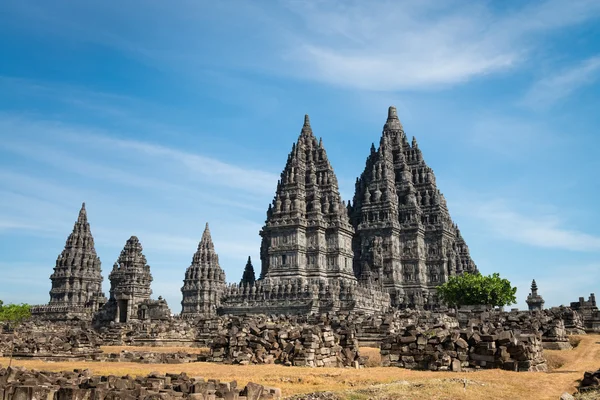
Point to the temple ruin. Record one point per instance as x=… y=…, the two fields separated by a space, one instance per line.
x=388 y=248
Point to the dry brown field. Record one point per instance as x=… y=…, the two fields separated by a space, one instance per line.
x=377 y=382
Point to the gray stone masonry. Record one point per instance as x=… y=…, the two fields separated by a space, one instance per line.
x=405 y=240
x=534 y=300
x=130 y=291
x=204 y=281
x=77 y=281
x=22 y=384
x=589 y=313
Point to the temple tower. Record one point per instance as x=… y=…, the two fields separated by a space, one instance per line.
x=204 y=281
x=405 y=239
x=130 y=281
x=249 y=277
x=77 y=279
x=307 y=236
x=534 y=300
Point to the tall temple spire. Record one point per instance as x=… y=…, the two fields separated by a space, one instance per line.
x=204 y=280
x=130 y=290
x=307 y=202
x=397 y=202
x=77 y=279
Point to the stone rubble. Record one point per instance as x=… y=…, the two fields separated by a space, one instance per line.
x=22 y=384
x=263 y=340
x=440 y=348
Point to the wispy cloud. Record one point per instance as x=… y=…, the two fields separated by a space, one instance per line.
x=383 y=45
x=554 y=88
x=412 y=45
x=538 y=228
x=96 y=149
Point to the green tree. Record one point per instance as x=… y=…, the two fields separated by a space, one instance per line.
x=477 y=289
x=12 y=315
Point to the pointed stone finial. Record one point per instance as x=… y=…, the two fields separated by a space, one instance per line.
x=414 y=142
x=306 y=128
x=82 y=213
x=534 y=300
x=534 y=287
x=392 y=120
x=206 y=238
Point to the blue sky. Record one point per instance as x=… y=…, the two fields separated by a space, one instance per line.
x=162 y=116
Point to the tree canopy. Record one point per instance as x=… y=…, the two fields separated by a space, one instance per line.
x=477 y=289
x=14 y=314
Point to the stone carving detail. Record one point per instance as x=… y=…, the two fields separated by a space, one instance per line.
x=77 y=279
x=390 y=247
x=130 y=291
x=411 y=212
x=204 y=280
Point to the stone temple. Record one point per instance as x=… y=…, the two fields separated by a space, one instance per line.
x=390 y=247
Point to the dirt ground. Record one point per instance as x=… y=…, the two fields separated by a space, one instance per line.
x=378 y=382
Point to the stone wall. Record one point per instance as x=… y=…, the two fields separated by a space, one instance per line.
x=442 y=348
x=19 y=383
x=178 y=332
x=300 y=298
x=62 y=312
x=286 y=340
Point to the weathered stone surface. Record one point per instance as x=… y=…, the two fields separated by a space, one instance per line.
x=77 y=280
x=130 y=290
x=19 y=383
x=204 y=281
x=534 y=300
x=444 y=349
x=405 y=240
x=322 y=342
x=53 y=341
x=589 y=312
x=306 y=248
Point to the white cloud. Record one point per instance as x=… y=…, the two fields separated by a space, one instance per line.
x=384 y=45
x=554 y=88
x=546 y=230
x=412 y=45
x=95 y=148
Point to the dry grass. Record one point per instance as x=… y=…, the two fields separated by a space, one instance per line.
x=379 y=382
x=574 y=340
x=374 y=356
x=190 y=350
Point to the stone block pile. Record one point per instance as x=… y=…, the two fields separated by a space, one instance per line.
x=285 y=340
x=572 y=319
x=52 y=341
x=548 y=324
x=19 y=383
x=450 y=349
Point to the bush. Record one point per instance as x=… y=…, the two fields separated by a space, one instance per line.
x=14 y=314
x=476 y=289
